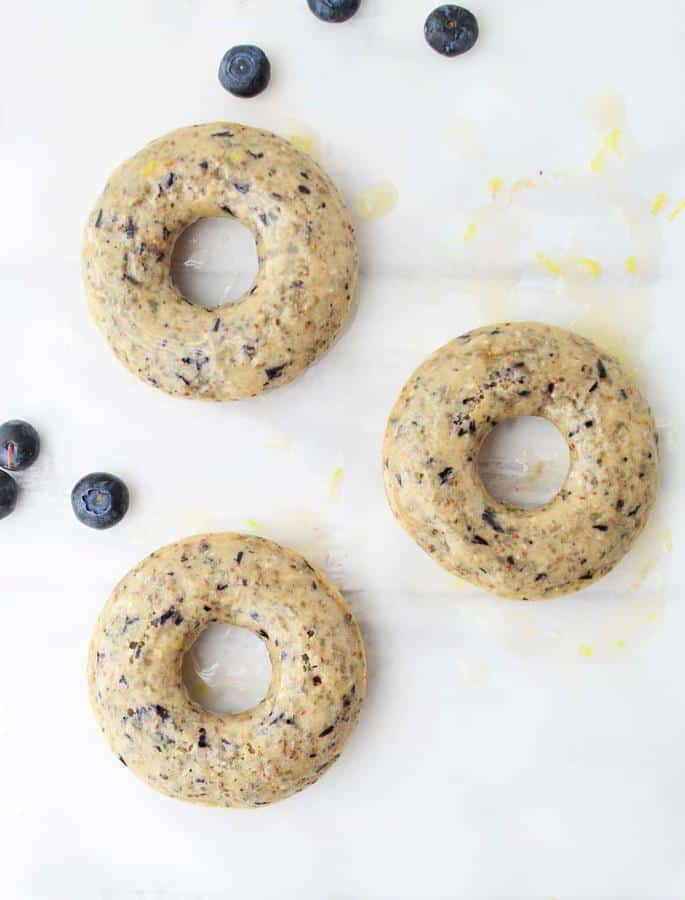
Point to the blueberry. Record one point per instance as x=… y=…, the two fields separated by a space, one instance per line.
x=451 y=30
x=245 y=70
x=19 y=445
x=334 y=10
x=8 y=494
x=100 y=500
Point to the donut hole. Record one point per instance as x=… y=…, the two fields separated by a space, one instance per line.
x=227 y=670
x=214 y=262
x=524 y=462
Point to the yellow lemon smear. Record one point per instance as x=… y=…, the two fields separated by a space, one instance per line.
x=336 y=479
x=631 y=265
x=376 y=201
x=253 y=523
x=495 y=186
x=591 y=266
x=547 y=263
x=584 y=649
x=677 y=211
x=658 y=204
x=470 y=232
x=153 y=166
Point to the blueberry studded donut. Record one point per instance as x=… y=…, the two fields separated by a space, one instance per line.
x=256 y=757
x=306 y=247
x=445 y=412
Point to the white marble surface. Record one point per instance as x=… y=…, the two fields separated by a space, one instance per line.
x=506 y=750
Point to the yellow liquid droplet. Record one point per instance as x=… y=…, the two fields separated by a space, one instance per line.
x=376 y=201
x=306 y=140
x=608 y=110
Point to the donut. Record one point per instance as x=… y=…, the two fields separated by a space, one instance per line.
x=306 y=247
x=176 y=746
x=441 y=419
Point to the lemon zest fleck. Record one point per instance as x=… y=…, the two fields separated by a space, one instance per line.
x=658 y=204
x=585 y=649
x=597 y=162
x=236 y=155
x=336 y=478
x=611 y=141
x=153 y=166
x=631 y=265
x=495 y=185
x=253 y=523
x=549 y=264
x=677 y=211
x=471 y=232
x=592 y=267
x=620 y=644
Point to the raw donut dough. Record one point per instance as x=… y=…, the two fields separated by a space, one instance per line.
x=306 y=247
x=257 y=757
x=445 y=412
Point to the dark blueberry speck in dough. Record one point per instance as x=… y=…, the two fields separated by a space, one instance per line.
x=334 y=10
x=8 y=494
x=19 y=445
x=245 y=70
x=451 y=30
x=100 y=500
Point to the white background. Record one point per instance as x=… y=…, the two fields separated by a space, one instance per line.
x=506 y=750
